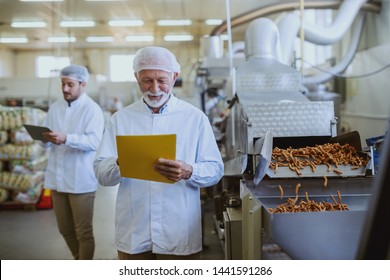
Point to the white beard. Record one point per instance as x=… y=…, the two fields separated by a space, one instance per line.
x=156 y=103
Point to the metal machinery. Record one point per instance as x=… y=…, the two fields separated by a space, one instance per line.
x=270 y=110
x=297 y=123
x=268 y=99
x=214 y=84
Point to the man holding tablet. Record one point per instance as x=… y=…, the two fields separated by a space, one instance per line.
x=76 y=123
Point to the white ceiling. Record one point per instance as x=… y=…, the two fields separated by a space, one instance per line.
x=148 y=10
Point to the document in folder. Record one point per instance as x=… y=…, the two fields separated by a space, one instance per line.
x=137 y=153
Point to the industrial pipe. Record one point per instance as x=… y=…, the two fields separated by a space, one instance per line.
x=371 y=6
x=289 y=28
x=344 y=63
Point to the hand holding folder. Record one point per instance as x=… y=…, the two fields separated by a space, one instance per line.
x=137 y=153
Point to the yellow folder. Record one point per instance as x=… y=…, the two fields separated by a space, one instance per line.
x=137 y=153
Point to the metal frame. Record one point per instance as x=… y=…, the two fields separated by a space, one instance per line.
x=375 y=241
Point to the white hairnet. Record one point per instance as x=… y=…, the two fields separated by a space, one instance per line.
x=75 y=72
x=155 y=58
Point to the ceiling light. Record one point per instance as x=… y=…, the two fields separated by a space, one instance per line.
x=178 y=38
x=126 y=23
x=56 y=39
x=77 y=23
x=139 y=38
x=41 y=0
x=99 y=39
x=179 y=22
x=213 y=21
x=19 y=40
x=105 y=0
x=28 y=24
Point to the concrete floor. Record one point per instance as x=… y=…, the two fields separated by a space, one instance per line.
x=33 y=235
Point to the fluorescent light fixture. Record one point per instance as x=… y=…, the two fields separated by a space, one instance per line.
x=17 y=40
x=126 y=23
x=61 y=39
x=178 y=22
x=99 y=39
x=139 y=38
x=105 y=0
x=213 y=21
x=41 y=0
x=28 y=24
x=77 y=23
x=178 y=38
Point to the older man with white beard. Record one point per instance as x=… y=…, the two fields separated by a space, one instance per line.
x=156 y=220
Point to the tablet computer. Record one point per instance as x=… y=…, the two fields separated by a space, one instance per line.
x=36 y=131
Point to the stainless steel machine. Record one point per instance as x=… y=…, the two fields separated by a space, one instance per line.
x=269 y=105
x=300 y=235
x=270 y=108
x=293 y=122
x=314 y=235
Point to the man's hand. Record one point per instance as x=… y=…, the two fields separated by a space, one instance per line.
x=57 y=138
x=174 y=170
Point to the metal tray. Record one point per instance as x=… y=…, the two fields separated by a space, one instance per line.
x=321 y=170
x=317 y=235
x=314 y=186
x=351 y=138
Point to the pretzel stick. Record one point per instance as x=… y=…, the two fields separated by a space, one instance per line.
x=310 y=205
x=334 y=200
x=326 y=154
x=281 y=192
x=325 y=181
x=297 y=188
x=337 y=171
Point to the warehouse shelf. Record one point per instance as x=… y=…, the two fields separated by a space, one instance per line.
x=22 y=160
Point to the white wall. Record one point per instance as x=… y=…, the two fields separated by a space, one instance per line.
x=50 y=89
x=21 y=64
x=17 y=74
x=6 y=62
x=367 y=105
x=367 y=102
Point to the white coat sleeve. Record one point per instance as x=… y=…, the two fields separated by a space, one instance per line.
x=105 y=167
x=208 y=168
x=90 y=140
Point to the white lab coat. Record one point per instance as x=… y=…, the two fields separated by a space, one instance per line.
x=163 y=218
x=70 y=165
